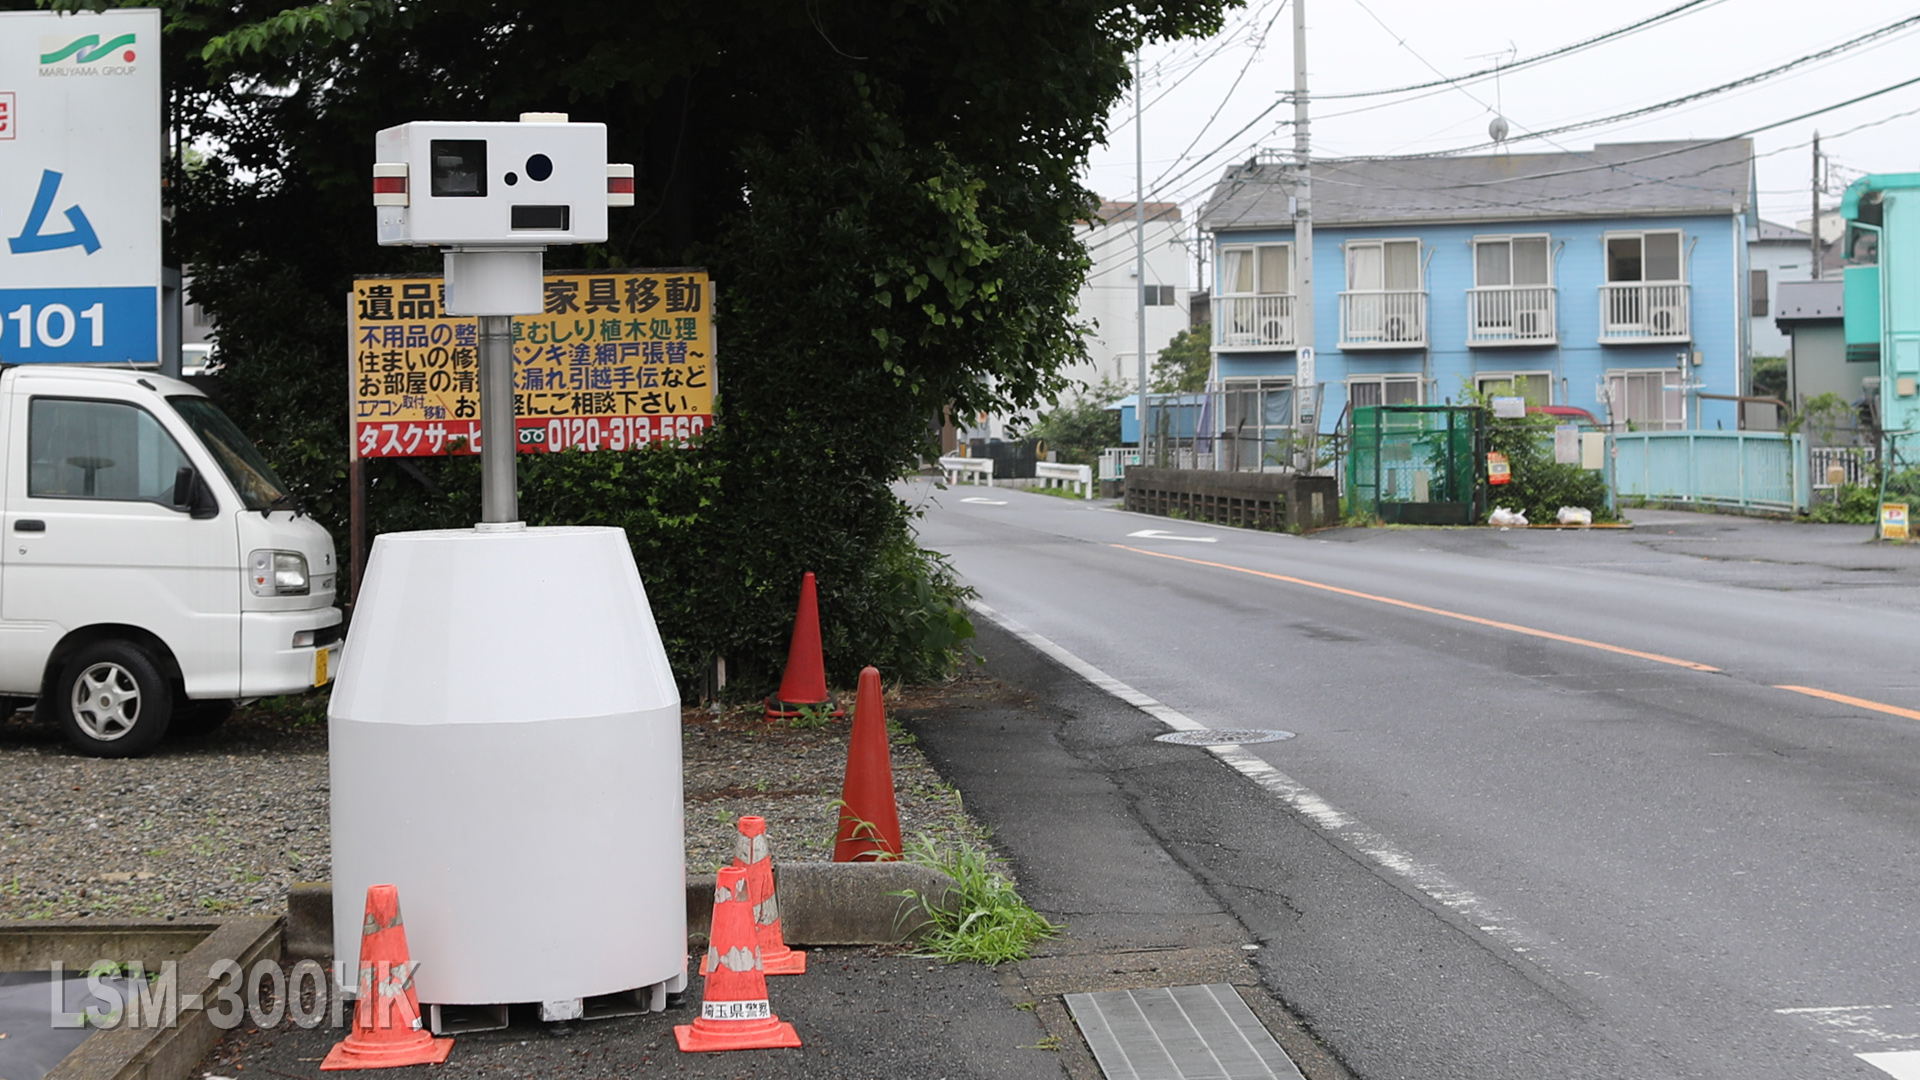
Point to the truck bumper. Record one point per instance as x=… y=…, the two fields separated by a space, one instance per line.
x=270 y=662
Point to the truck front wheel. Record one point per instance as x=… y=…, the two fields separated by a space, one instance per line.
x=112 y=700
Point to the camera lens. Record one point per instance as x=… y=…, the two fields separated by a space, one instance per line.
x=539 y=167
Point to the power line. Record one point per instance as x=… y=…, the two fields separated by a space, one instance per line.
x=1564 y=50
x=1685 y=99
x=1224 y=43
x=1228 y=96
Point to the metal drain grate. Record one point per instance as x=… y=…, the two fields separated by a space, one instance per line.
x=1179 y=1033
x=1222 y=736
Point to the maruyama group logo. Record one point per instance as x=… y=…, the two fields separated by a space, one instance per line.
x=82 y=55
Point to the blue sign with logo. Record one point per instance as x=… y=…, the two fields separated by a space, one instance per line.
x=80 y=145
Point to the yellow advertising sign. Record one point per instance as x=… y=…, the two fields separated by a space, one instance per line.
x=1893 y=521
x=616 y=360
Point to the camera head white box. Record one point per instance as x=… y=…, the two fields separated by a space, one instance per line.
x=498 y=192
x=456 y=183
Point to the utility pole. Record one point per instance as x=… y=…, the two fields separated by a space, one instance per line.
x=1302 y=221
x=1814 y=244
x=1140 y=410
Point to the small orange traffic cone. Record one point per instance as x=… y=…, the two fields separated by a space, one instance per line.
x=869 y=816
x=805 y=681
x=734 y=1011
x=752 y=853
x=387 y=1031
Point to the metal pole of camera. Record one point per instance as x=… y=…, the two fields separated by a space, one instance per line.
x=499 y=440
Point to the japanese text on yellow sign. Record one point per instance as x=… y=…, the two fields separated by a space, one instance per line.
x=615 y=361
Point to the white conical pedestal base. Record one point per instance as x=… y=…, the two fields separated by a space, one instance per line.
x=505 y=748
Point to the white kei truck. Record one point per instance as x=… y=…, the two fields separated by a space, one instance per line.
x=154 y=568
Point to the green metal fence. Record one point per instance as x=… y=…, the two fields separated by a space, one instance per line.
x=1417 y=464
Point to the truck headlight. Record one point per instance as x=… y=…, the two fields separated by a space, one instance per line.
x=277 y=573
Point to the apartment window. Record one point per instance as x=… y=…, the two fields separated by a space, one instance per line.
x=1262 y=270
x=1757 y=292
x=1258 y=419
x=1645 y=400
x=1535 y=386
x=1384 y=264
x=1511 y=260
x=1383 y=390
x=1160 y=296
x=1648 y=256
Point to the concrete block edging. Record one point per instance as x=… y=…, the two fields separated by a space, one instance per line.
x=820 y=904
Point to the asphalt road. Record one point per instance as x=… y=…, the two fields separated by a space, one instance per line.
x=1549 y=811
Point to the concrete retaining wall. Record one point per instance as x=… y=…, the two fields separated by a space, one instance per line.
x=1274 y=501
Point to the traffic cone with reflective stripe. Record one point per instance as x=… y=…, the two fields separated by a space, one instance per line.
x=752 y=852
x=805 y=681
x=387 y=1031
x=734 y=1011
x=869 y=816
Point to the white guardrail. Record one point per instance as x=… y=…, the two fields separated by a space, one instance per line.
x=954 y=466
x=1068 y=474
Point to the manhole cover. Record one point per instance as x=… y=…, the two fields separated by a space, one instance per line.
x=1222 y=736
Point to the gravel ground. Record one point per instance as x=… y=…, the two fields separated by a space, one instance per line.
x=225 y=823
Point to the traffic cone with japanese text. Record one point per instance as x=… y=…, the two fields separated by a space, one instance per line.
x=804 y=683
x=752 y=853
x=387 y=1031
x=869 y=816
x=734 y=1011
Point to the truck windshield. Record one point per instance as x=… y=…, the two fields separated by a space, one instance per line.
x=252 y=477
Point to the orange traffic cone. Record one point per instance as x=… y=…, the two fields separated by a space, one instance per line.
x=752 y=853
x=386 y=1019
x=734 y=1011
x=869 y=817
x=805 y=680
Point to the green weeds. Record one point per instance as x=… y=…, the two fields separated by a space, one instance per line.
x=989 y=924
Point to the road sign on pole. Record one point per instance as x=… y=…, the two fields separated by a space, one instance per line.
x=80 y=149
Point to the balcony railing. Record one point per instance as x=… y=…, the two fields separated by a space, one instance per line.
x=1644 y=311
x=1383 y=319
x=1253 y=322
x=1511 y=315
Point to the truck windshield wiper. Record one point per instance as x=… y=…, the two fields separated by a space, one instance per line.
x=282 y=501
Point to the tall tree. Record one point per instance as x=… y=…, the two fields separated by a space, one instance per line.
x=884 y=192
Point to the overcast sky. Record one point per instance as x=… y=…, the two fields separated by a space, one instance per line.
x=1356 y=45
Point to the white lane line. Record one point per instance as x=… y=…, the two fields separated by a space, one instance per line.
x=1899 y=1064
x=1156 y=534
x=1429 y=880
x=981 y=500
x=1870 y=1028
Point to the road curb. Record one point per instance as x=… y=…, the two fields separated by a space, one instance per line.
x=820 y=904
x=196 y=948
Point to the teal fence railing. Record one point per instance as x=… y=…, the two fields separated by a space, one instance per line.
x=1763 y=471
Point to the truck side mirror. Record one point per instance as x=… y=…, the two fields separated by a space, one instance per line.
x=191 y=493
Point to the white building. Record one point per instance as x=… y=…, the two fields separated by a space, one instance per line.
x=1775 y=254
x=1107 y=299
x=1106 y=302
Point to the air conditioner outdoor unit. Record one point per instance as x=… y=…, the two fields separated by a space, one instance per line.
x=1274 y=330
x=1397 y=329
x=1665 y=320
x=1530 y=324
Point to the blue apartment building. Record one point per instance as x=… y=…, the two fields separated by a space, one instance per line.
x=1613 y=280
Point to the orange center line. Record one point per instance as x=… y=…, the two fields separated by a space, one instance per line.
x=1475 y=619
x=1858 y=703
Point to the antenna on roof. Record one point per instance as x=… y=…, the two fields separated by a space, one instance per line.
x=1498 y=128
